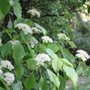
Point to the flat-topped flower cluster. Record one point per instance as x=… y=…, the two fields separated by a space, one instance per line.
x=83 y=55
x=8 y=77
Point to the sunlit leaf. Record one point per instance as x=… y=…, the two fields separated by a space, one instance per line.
x=53 y=78
x=71 y=73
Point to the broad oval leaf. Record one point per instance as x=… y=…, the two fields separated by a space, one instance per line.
x=63 y=83
x=54 y=47
x=17 y=9
x=43 y=84
x=18 y=52
x=51 y=53
x=66 y=54
x=30 y=82
x=6 y=50
x=19 y=71
x=41 y=28
x=57 y=64
x=71 y=73
x=66 y=62
x=53 y=78
x=4 y=7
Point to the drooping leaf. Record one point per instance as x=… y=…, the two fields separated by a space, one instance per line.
x=18 y=52
x=66 y=54
x=17 y=9
x=43 y=84
x=5 y=50
x=19 y=71
x=41 y=28
x=51 y=53
x=30 y=82
x=3 y=84
x=66 y=62
x=71 y=73
x=63 y=83
x=53 y=78
x=2 y=88
x=54 y=47
x=88 y=9
x=4 y=7
x=31 y=63
x=57 y=64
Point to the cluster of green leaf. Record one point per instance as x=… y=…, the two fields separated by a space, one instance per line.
x=28 y=75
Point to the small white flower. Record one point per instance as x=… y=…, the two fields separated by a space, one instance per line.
x=35 y=30
x=47 y=39
x=24 y=27
x=34 y=12
x=41 y=58
x=33 y=42
x=1 y=72
x=63 y=36
x=7 y=64
x=9 y=78
x=82 y=55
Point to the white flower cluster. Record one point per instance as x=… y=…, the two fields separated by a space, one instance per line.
x=41 y=58
x=35 y=30
x=11 y=2
x=24 y=27
x=7 y=76
x=34 y=12
x=33 y=42
x=6 y=64
x=47 y=39
x=63 y=36
x=83 y=55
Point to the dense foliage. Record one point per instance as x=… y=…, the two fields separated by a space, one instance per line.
x=35 y=41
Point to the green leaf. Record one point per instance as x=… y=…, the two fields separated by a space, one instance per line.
x=63 y=83
x=41 y=28
x=1 y=14
x=54 y=47
x=3 y=84
x=66 y=54
x=30 y=23
x=51 y=53
x=17 y=9
x=5 y=50
x=71 y=73
x=88 y=9
x=30 y=82
x=18 y=52
x=19 y=71
x=66 y=62
x=53 y=78
x=57 y=64
x=2 y=88
x=4 y=7
x=42 y=47
x=17 y=86
x=43 y=84
x=31 y=63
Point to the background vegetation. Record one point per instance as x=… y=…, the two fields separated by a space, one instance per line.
x=23 y=24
